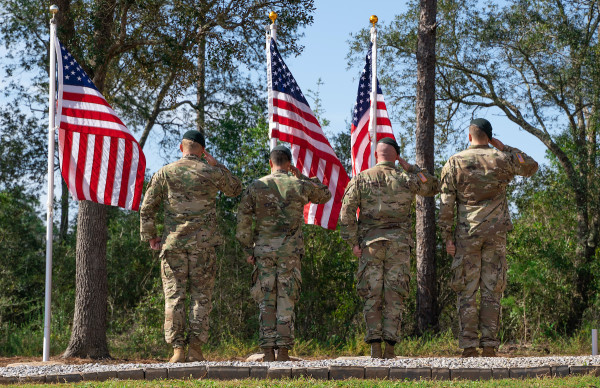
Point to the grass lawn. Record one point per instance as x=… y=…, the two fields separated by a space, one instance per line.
x=575 y=381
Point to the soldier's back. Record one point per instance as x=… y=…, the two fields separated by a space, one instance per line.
x=481 y=174
x=279 y=207
x=386 y=196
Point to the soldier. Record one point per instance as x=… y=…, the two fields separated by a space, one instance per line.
x=187 y=188
x=474 y=181
x=381 y=238
x=276 y=203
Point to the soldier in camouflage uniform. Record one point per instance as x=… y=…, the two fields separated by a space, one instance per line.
x=275 y=245
x=474 y=181
x=382 y=238
x=187 y=188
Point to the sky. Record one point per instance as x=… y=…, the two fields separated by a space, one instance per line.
x=324 y=56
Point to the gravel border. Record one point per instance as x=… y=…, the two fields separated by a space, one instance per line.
x=334 y=369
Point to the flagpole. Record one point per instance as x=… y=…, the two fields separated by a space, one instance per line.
x=373 y=110
x=50 y=209
x=273 y=29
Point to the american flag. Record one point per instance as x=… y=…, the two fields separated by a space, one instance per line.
x=100 y=159
x=294 y=122
x=360 y=138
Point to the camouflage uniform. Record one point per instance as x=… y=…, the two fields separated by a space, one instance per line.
x=475 y=182
x=384 y=195
x=276 y=203
x=188 y=190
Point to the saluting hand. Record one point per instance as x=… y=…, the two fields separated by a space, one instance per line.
x=450 y=248
x=497 y=143
x=405 y=165
x=209 y=158
x=294 y=170
x=250 y=260
x=356 y=251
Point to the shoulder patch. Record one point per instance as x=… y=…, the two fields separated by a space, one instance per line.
x=520 y=157
x=422 y=177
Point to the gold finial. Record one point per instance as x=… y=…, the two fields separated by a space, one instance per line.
x=272 y=16
x=373 y=19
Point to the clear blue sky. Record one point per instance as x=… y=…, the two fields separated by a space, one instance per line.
x=324 y=56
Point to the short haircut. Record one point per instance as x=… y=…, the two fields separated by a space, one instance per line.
x=191 y=146
x=477 y=133
x=279 y=158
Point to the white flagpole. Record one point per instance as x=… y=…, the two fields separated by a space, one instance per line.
x=273 y=29
x=373 y=110
x=50 y=209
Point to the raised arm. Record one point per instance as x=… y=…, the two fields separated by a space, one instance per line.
x=522 y=164
x=317 y=191
x=421 y=182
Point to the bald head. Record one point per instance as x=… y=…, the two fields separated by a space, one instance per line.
x=386 y=153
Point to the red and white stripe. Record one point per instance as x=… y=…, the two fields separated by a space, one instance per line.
x=100 y=159
x=361 y=139
x=295 y=123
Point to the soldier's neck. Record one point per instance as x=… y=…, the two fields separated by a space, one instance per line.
x=275 y=169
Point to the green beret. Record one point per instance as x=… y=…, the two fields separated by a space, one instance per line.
x=283 y=149
x=484 y=125
x=195 y=136
x=390 y=141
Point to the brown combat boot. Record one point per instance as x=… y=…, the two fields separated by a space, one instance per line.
x=178 y=355
x=376 y=351
x=269 y=354
x=489 y=351
x=470 y=352
x=389 y=350
x=195 y=351
x=282 y=354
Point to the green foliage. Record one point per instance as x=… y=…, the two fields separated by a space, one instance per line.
x=21 y=257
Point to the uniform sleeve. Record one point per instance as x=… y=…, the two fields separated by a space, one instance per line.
x=154 y=196
x=523 y=164
x=317 y=191
x=447 y=202
x=421 y=182
x=245 y=214
x=348 y=221
x=225 y=181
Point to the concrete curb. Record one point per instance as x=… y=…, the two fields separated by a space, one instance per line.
x=321 y=373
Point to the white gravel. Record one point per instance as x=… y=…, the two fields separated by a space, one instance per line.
x=435 y=362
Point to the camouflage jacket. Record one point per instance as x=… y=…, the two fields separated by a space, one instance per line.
x=276 y=204
x=188 y=189
x=384 y=194
x=474 y=181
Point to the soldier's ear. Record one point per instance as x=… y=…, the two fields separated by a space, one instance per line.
x=181 y=147
x=470 y=138
x=270 y=163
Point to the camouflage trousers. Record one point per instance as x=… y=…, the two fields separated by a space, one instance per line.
x=479 y=264
x=180 y=269
x=276 y=289
x=383 y=282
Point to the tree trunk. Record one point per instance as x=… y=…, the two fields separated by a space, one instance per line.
x=584 y=253
x=88 y=336
x=427 y=312
x=201 y=83
x=64 y=211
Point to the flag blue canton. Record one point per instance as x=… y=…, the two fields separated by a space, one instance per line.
x=72 y=72
x=363 y=98
x=282 y=79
